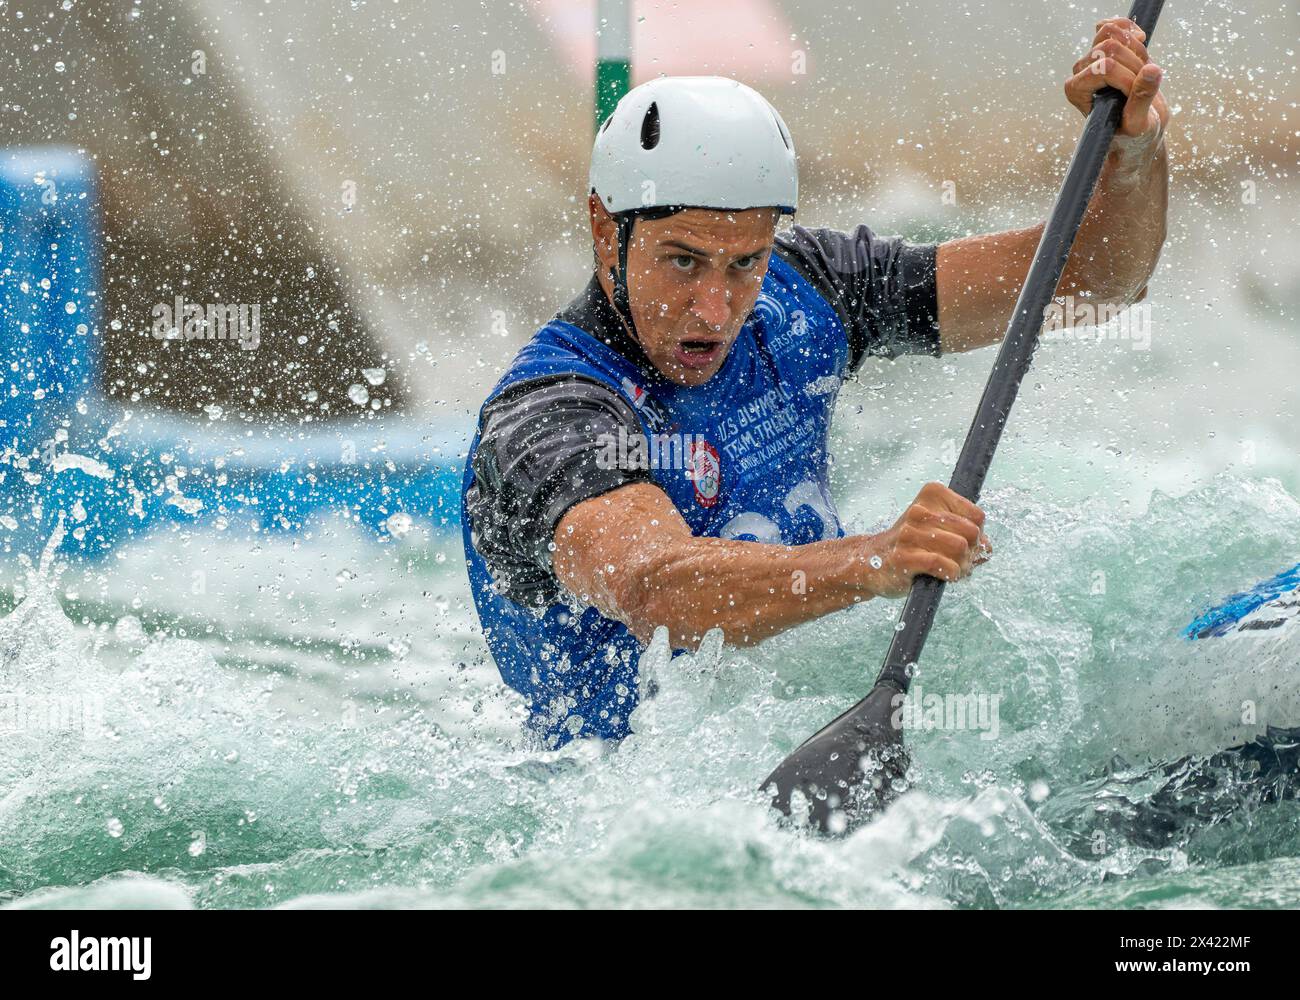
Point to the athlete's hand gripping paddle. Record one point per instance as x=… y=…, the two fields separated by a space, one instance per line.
x=858 y=761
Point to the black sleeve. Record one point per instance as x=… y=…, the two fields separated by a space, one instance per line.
x=540 y=452
x=883 y=288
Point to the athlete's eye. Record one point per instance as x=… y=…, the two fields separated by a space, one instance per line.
x=683 y=262
x=748 y=263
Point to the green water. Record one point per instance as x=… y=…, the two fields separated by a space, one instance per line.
x=319 y=726
x=281 y=720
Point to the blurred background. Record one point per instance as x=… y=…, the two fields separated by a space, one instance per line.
x=258 y=582
x=402 y=184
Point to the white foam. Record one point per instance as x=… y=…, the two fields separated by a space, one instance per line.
x=82 y=463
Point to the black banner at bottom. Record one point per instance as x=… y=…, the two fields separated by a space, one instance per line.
x=335 y=948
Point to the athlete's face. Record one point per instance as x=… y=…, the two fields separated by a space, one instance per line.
x=693 y=279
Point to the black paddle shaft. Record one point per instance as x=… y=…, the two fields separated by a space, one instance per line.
x=813 y=767
x=1017 y=350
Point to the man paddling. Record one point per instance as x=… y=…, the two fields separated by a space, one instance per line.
x=656 y=455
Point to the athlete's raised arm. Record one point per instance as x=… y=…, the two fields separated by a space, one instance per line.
x=630 y=554
x=1114 y=255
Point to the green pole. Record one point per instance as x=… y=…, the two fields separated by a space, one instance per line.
x=613 y=55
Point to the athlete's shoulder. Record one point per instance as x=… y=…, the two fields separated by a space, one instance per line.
x=826 y=259
x=883 y=287
x=540 y=449
x=578 y=341
x=826 y=256
x=557 y=345
x=803 y=244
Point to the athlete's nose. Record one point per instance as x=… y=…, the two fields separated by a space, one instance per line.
x=712 y=304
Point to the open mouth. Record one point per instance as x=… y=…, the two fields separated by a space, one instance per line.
x=698 y=352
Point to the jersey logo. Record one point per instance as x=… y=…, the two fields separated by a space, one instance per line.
x=770 y=312
x=705 y=472
x=634 y=393
x=656 y=417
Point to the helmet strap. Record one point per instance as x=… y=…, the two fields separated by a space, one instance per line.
x=622 y=297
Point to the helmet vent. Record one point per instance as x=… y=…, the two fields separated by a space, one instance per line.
x=605 y=124
x=780 y=128
x=650 y=127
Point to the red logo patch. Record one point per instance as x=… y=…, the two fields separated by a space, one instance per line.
x=705 y=472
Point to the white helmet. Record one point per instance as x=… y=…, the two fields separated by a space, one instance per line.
x=694 y=141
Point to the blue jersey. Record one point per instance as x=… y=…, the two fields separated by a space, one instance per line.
x=743 y=456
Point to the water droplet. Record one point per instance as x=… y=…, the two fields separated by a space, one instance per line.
x=129 y=630
x=115 y=828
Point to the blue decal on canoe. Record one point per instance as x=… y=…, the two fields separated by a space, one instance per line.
x=1222 y=617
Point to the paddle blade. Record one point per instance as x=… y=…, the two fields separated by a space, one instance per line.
x=850 y=769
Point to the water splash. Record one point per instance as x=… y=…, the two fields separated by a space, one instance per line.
x=268 y=719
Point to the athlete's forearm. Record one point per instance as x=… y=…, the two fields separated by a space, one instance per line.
x=1115 y=252
x=979 y=277
x=1119 y=242
x=630 y=554
x=749 y=590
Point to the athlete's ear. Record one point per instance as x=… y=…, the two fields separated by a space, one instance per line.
x=604 y=234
